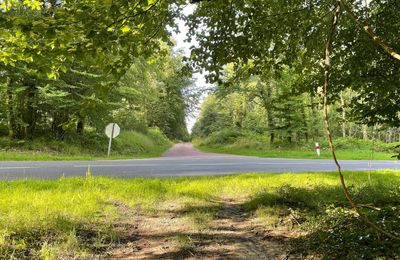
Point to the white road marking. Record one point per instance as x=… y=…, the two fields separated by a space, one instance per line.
x=112 y=165
x=18 y=167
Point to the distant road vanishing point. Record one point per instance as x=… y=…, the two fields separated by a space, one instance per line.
x=181 y=160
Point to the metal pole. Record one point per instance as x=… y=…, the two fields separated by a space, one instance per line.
x=109 y=143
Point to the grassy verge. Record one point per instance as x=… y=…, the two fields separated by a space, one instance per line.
x=293 y=153
x=87 y=147
x=59 y=156
x=252 y=144
x=77 y=217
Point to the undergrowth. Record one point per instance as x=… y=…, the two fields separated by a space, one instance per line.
x=85 y=147
x=253 y=144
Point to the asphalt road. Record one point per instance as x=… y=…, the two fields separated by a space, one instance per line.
x=184 y=162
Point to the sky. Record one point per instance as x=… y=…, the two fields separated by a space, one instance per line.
x=184 y=47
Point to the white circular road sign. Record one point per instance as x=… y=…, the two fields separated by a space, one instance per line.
x=112 y=130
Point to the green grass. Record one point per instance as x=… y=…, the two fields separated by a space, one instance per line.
x=74 y=216
x=87 y=147
x=248 y=143
x=59 y=156
x=355 y=154
x=33 y=156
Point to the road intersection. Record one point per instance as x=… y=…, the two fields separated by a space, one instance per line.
x=181 y=160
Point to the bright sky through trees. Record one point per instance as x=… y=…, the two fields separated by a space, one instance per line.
x=184 y=47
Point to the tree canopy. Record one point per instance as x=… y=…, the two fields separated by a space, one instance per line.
x=78 y=64
x=257 y=36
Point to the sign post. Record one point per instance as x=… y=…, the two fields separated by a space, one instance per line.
x=112 y=131
x=318 y=149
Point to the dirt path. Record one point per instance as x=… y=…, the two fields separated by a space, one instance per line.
x=187 y=149
x=177 y=232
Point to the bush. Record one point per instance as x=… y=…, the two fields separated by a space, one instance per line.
x=93 y=144
x=244 y=139
x=135 y=143
x=158 y=137
x=361 y=144
x=226 y=136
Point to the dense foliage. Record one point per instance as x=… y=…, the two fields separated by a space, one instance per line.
x=74 y=66
x=281 y=42
x=277 y=109
x=149 y=94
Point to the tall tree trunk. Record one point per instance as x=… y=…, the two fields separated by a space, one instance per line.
x=350 y=131
x=80 y=126
x=389 y=135
x=30 y=113
x=343 y=115
x=59 y=119
x=265 y=95
x=10 y=114
x=15 y=129
x=271 y=126
x=314 y=129
x=365 y=132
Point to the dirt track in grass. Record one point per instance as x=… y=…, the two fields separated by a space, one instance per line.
x=182 y=232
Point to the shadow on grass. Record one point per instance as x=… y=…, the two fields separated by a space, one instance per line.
x=328 y=227
x=333 y=230
x=317 y=198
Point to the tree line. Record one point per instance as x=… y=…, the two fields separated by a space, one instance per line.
x=66 y=64
x=277 y=108
x=266 y=59
x=74 y=66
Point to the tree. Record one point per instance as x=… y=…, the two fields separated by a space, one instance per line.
x=49 y=36
x=276 y=33
x=61 y=60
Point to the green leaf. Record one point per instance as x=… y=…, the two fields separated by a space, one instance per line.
x=125 y=29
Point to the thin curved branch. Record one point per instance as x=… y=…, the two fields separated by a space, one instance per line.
x=327 y=66
x=375 y=38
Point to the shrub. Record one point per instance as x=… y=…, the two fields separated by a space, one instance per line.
x=96 y=144
x=158 y=137
x=226 y=136
x=135 y=143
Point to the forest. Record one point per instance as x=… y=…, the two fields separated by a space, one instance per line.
x=277 y=107
x=270 y=82
x=285 y=75
x=149 y=94
x=279 y=117
x=65 y=75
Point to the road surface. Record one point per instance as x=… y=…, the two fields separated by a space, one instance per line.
x=181 y=160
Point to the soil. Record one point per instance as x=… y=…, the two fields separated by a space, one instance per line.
x=169 y=234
